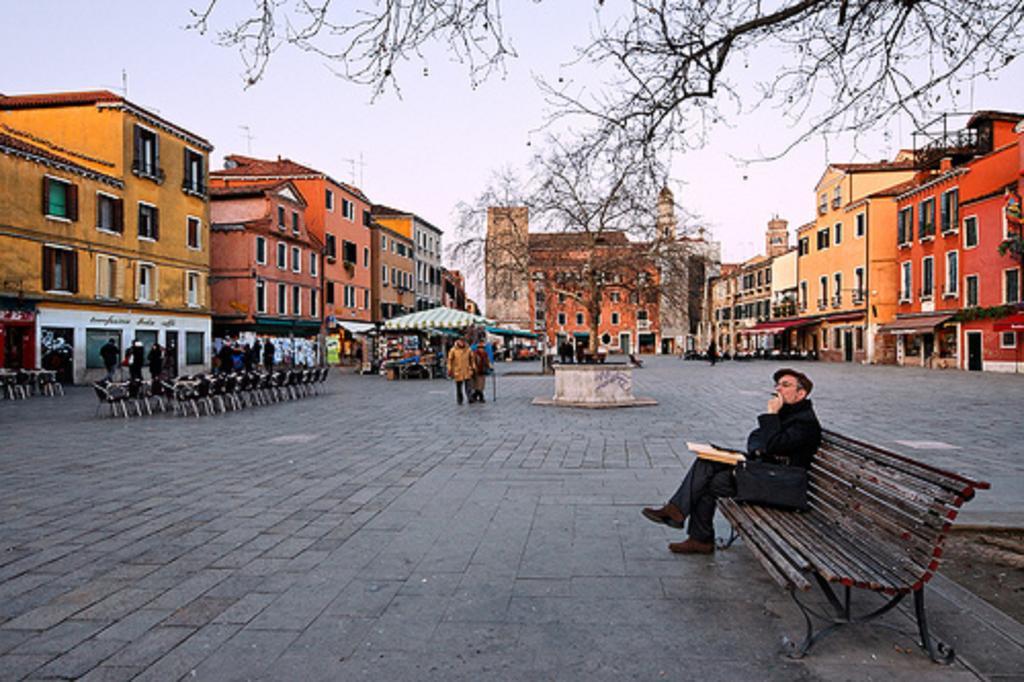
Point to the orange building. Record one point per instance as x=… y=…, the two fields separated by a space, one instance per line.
x=838 y=266
x=106 y=220
x=393 y=273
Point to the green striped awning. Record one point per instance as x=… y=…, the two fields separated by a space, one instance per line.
x=435 y=318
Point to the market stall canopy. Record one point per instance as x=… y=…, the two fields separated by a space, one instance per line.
x=511 y=332
x=356 y=327
x=914 y=325
x=435 y=318
x=1013 y=323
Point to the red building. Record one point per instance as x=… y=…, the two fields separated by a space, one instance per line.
x=955 y=288
x=629 y=319
x=338 y=215
x=265 y=265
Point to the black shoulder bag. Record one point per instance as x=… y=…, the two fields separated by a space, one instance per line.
x=771 y=485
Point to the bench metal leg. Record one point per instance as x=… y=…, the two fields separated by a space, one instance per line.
x=938 y=651
x=726 y=543
x=841 y=616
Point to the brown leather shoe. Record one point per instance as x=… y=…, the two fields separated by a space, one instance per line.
x=691 y=546
x=670 y=515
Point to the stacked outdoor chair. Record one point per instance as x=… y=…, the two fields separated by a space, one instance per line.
x=204 y=394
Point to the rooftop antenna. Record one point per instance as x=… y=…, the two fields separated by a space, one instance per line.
x=124 y=83
x=249 y=137
x=353 y=163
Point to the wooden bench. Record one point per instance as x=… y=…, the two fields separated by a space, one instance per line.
x=878 y=521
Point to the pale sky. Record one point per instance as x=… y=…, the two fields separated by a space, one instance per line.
x=439 y=143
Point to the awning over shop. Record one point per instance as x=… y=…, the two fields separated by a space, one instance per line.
x=511 y=332
x=435 y=318
x=279 y=326
x=356 y=327
x=1013 y=323
x=914 y=325
x=581 y=335
x=776 y=326
x=843 y=317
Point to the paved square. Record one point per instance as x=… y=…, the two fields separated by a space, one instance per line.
x=381 y=532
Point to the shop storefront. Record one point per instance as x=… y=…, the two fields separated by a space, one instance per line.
x=17 y=336
x=70 y=339
x=925 y=340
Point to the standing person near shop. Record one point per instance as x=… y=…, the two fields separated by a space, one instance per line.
x=481 y=363
x=227 y=357
x=249 y=356
x=268 y=355
x=136 y=360
x=156 y=361
x=110 y=353
x=460 y=368
x=712 y=353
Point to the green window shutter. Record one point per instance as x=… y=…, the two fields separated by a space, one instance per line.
x=46 y=196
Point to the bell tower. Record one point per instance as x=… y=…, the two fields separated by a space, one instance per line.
x=666 y=215
x=776 y=237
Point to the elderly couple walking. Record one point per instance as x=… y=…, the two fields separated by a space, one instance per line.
x=468 y=368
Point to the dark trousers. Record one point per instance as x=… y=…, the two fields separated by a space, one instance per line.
x=135 y=371
x=704 y=483
x=459 y=386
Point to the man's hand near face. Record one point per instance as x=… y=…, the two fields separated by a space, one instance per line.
x=775 y=403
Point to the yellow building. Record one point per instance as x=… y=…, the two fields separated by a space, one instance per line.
x=842 y=258
x=104 y=233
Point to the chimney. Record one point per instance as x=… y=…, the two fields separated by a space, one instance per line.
x=946 y=164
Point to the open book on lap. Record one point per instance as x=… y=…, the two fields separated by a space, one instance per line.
x=716 y=454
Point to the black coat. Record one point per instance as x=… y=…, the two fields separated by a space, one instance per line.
x=110 y=353
x=791 y=437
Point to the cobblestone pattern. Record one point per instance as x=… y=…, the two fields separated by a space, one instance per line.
x=383 y=532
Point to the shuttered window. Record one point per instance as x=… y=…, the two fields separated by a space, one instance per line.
x=60 y=269
x=149 y=222
x=106 y=277
x=146 y=154
x=60 y=199
x=109 y=213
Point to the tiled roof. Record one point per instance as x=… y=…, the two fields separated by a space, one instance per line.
x=250 y=166
x=870 y=167
x=382 y=210
x=895 y=190
x=1008 y=116
x=57 y=99
x=85 y=97
x=19 y=147
x=248 y=189
x=574 y=240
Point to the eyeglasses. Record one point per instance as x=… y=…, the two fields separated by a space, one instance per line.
x=787 y=384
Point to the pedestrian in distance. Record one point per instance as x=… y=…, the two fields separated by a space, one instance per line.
x=788 y=433
x=249 y=357
x=268 y=355
x=156 y=361
x=712 y=353
x=110 y=354
x=227 y=357
x=136 y=360
x=481 y=364
x=461 y=362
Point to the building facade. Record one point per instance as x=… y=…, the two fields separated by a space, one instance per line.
x=832 y=258
x=453 y=289
x=955 y=287
x=338 y=216
x=394 y=272
x=106 y=233
x=428 y=247
x=265 y=265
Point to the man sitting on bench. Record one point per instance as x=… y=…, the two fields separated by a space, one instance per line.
x=788 y=433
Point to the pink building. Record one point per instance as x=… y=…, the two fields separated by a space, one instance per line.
x=265 y=265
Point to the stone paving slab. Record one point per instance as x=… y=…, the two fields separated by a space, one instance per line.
x=381 y=531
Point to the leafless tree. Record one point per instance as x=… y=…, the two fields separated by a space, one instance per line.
x=593 y=214
x=668 y=69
